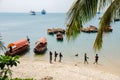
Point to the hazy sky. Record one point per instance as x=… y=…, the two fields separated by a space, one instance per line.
x=36 y=5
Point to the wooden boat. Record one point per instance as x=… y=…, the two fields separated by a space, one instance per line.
x=59 y=36
x=116 y=19
x=17 y=47
x=50 y=31
x=108 y=29
x=56 y=30
x=91 y=29
x=41 y=45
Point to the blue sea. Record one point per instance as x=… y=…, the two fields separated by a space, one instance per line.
x=15 y=26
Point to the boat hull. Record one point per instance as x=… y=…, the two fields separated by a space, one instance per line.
x=41 y=46
x=41 y=51
x=18 y=51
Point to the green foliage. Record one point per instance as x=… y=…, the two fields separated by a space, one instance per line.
x=23 y=79
x=80 y=12
x=84 y=10
x=2 y=47
x=104 y=23
x=5 y=63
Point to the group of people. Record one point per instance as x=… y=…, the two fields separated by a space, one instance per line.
x=86 y=57
x=60 y=57
x=55 y=56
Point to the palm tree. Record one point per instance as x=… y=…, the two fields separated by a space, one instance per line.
x=2 y=47
x=84 y=10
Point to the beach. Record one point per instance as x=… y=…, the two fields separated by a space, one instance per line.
x=16 y=26
x=42 y=70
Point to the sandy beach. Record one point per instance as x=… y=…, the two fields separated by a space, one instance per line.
x=42 y=70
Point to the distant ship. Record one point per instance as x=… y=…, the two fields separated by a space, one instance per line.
x=43 y=12
x=32 y=13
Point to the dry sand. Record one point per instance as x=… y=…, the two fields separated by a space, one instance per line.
x=43 y=70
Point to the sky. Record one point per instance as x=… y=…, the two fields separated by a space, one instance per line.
x=36 y=5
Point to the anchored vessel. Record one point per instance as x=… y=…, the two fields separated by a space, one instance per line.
x=41 y=45
x=17 y=47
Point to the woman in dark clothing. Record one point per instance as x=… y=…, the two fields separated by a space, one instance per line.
x=55 y=54
x=50 y=53
x=60 y=55
x=85 y=58
x=96 y=59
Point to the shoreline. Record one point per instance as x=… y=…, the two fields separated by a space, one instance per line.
x=39 y=69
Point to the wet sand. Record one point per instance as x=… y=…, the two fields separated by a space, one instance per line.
x=42 y=70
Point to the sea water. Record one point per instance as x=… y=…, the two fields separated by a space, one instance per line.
x=16 y=26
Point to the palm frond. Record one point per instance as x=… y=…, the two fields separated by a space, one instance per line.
x=103 y=3
x=2 y=47
x=81 y=12
x=84 y=10
x=105 y=22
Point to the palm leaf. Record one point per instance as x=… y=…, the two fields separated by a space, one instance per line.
x=2 y=47
x=80 y=12
x=105 y=21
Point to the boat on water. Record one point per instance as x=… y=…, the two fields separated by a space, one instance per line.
x=55 y=30
x=40 y=46
x=50 y=31
x=108 y=29
x=59 y=36
x=98 y=12
x=32 y=13
x=90 y=29
x=18 y=47
x=43 y=12
x=116 y=19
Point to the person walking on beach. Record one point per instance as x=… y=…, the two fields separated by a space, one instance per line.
x=60 y=55
x=85 y=59
x=96 y=59
x=55 y=54
x=50 y=53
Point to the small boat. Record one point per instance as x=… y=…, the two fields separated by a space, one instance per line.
x=91 y=29
x=98 y=12
x=108 y=29
x=55 y=30
x=43 y=12
x=59 y=36
x=50 y=31
x=41 y=45
x=32 y=13
x=116 y=19
x=17 y=47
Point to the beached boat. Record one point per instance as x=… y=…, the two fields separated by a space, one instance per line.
x=40 y=45
x=32 y=13
x=91 y=29
x=17 y=47
x=59 y=36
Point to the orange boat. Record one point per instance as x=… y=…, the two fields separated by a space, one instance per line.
x=41 y=45
x=17 y=47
